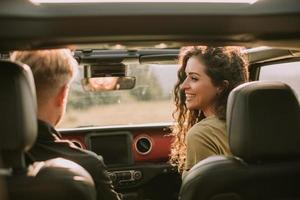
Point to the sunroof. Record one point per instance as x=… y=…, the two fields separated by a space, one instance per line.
x=141 y=1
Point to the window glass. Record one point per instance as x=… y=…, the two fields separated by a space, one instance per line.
x=150 y=101
x=288 y=73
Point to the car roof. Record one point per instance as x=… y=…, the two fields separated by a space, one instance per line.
x=267 y=22
x=170 y=56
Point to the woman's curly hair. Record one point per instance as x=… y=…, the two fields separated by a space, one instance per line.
x=221 y=64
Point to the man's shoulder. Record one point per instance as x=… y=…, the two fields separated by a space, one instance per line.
x=64 y=149
x=50 y=144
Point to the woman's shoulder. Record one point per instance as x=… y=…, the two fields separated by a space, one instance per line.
x=207 y=126
x=211 y=121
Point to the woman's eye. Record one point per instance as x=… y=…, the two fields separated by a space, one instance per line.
x=194 y=79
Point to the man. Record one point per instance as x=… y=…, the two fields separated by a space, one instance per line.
x=53 y=71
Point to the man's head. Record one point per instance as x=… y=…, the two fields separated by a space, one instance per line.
x=53 y=71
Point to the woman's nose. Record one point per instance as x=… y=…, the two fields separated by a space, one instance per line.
x=184 y=85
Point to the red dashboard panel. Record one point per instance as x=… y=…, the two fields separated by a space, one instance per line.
x=160 y=150
x=160 y=141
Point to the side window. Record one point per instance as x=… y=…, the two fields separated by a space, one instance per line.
x=288 y=73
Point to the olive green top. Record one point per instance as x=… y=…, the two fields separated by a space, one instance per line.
x=206 y=138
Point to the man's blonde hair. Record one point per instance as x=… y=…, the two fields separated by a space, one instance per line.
x=52 y=69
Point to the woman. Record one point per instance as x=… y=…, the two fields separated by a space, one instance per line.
x=205 y=79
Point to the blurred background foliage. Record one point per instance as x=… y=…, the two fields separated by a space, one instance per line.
x=147 y=88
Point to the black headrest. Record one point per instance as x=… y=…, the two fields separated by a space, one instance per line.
x=263 y=122
x=18 y=118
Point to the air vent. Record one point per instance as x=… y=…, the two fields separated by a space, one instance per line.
x=143 y=145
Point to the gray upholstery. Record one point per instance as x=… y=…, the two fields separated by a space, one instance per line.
x=18 y=103
x=18 y=112
x=3 y=187
x=263 y=124
x=230 y=178
x=58 y=178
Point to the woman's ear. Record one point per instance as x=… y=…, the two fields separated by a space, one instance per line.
x=223 y=86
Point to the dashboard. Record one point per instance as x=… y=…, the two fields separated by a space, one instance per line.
x=134 y=156
x=121 y=147
x=114 y=147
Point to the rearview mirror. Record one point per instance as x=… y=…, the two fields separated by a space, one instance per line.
x=106 y=77
x=108 y=83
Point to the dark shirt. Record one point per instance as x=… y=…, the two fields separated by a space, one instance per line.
x=50 y=145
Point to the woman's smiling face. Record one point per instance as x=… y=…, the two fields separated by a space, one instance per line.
x=199 y=90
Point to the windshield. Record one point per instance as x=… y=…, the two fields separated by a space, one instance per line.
x=150 y=101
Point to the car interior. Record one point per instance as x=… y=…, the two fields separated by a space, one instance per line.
x=120 y=104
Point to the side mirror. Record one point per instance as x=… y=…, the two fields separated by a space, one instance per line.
x=107 y=77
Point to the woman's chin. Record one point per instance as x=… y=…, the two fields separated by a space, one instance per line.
x=190 y=107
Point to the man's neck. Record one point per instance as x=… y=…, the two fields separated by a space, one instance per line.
x=48 y=115
x=46 y=120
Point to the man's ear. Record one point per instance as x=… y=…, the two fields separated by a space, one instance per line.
x=61 y=96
